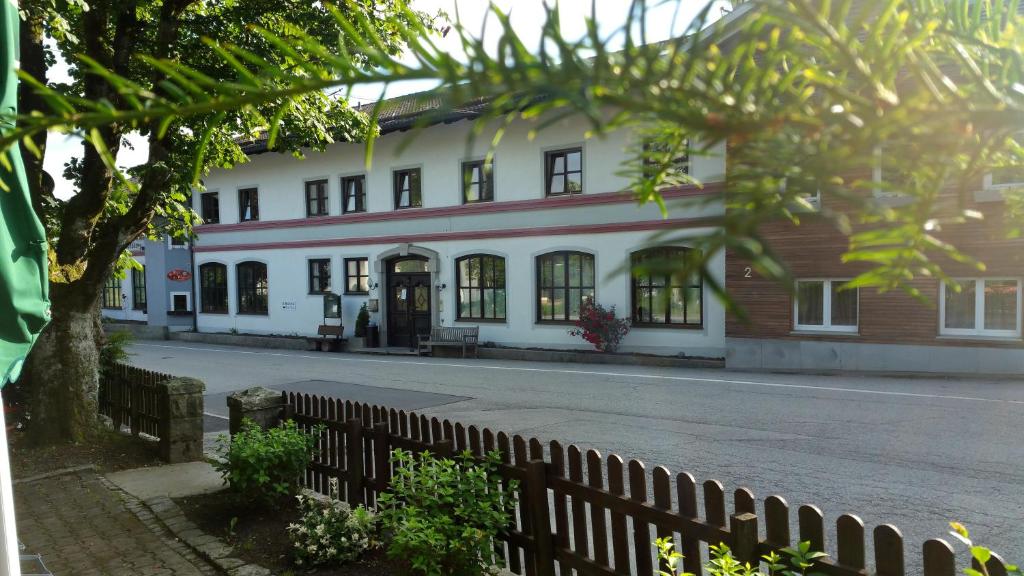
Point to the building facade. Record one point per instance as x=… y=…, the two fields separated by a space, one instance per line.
x=819 y=327
x=160 y=292
x=436 y=236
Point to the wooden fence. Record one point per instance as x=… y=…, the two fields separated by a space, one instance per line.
x=581 y=513
x=131 y=398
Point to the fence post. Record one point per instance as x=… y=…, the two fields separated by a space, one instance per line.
x=381 y=457
x=743 y=528
x=354 y=457
x=261 y=405
x=181 y=416
x=540 y=519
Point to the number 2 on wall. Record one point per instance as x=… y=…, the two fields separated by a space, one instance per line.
x=747 y=272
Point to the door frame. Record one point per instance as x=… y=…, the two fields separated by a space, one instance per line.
x=380 y=271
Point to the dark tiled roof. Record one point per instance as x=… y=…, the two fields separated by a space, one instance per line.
x=400 y=113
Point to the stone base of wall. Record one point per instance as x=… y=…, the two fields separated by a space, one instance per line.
x=137 y=330
x=581 y=357
x=250 y=340
x=769 y=354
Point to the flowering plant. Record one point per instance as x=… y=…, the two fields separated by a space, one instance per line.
x=330 y=531
x=600 y=327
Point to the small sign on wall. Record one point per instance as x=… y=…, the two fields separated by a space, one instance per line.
x=287 y=305
x=332 y=305
x=373 y=305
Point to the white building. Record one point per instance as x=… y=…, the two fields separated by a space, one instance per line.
x=513 y=249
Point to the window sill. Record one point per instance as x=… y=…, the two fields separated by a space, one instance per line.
x=353 y=212
x=318 y=293
x=979 y=337
x=562 y=194
x=357 y=293
x=253 y=313
x=481 y=320
x=487 y=201
x=316 y=216
x=218 y=313
x=554 y=322
x=996 y=193
x=408 y=207
x=839 y=333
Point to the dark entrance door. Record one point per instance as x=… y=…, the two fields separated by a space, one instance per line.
x=408 y=301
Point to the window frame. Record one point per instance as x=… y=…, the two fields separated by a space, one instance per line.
x=310 y=275
x=139 y=303
x=549 y=164
x=188 y=303
x=255 y=287
x=416 y=191
x=204 y=289
x=979 y=311
x=112 y=298
x=987 y=181
x=323 y=206
x=826 y=313
x=486 y=186
x=360 y=205
x=686 y=157
x=566 y=287
x=357 y=276
x=255 y=191
x=699 y=325
x=480 y=289
x=205 y=205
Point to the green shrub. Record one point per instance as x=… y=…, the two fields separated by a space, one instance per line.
x=793 y=561
x=442 y=514
x=265 y=465
x=362 y=321
x=330 y=531
x=113 y=350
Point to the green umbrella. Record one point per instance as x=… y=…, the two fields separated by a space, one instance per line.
x=24 y=293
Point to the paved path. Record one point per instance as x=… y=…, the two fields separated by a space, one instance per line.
x=915 y=452
x=83 y=526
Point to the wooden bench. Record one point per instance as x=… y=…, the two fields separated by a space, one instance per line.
x=450 y=336
x=323 y=340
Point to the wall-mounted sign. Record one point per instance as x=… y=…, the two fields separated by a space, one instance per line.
x=372 y=305
x=286 y=305
x=332 y=305
x=179 y=275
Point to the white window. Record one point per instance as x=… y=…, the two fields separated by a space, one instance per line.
x=814 y=199
x=181 y=302
x=176 y=242
x=820 y=305
x=983 y=307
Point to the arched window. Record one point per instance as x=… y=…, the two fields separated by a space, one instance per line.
x=213 y=288
x=252 y=288
x=662 y=295
x=480 y=281
x=564 y=281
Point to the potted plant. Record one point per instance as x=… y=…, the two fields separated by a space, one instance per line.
x=362 y=321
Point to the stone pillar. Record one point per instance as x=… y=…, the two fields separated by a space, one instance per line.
x=261 y=405
x=181 y=437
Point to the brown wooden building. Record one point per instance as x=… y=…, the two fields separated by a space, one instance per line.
x=818 y=327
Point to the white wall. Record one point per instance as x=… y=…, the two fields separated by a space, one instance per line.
x=439 y=150
x=287 y=280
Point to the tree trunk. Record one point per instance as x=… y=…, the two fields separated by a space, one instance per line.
x=63 y=369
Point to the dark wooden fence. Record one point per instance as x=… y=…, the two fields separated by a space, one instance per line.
x=131 y=397
x=589 y=515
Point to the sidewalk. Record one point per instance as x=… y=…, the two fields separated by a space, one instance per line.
x=83 y=524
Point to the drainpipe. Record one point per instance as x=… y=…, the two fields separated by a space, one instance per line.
x=192 y=284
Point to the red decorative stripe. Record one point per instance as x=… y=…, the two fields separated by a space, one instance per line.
x=468 y=235
x=465 y=209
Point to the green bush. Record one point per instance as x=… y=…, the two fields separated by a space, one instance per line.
x=113 y=350
x=265 y=465
x=442 y=514
x=330 y=531
x=362 y=321
x=793 y=561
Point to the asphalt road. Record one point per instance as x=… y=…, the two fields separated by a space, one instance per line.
x=914 y=452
